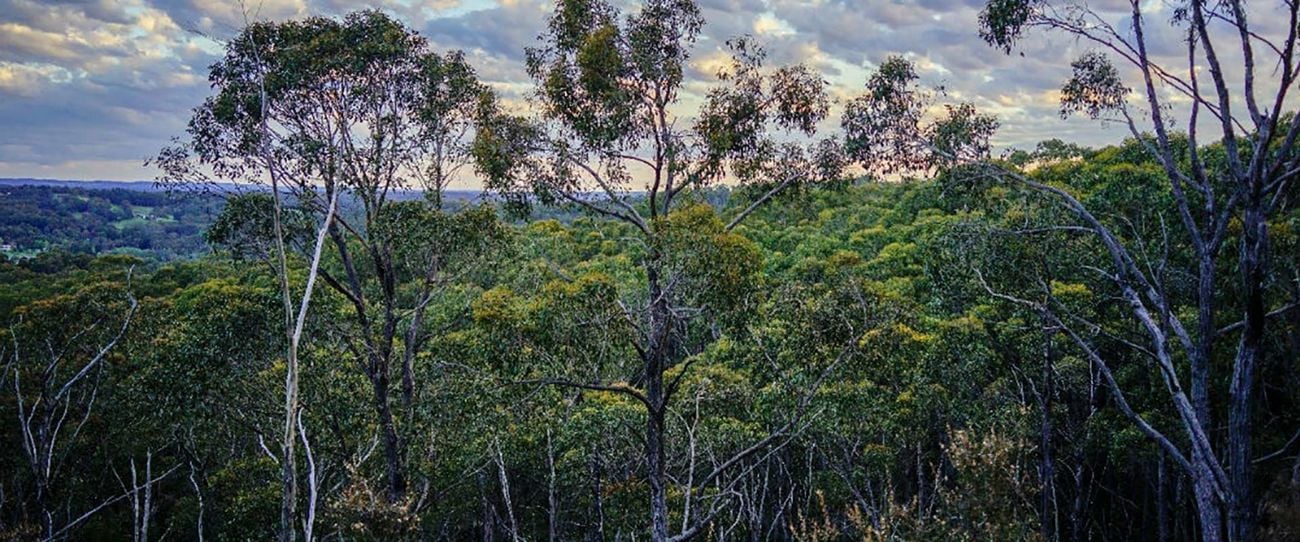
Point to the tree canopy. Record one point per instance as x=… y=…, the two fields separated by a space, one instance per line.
x=742 y=321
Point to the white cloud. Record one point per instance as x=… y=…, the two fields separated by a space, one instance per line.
x=88 y=84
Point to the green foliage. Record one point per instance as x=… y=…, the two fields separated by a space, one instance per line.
x=868 y=360
x=246 y=227
x=43 y=224
x=889 y=129
x=1003 y=22
x=1095 y=88
x=926 y=429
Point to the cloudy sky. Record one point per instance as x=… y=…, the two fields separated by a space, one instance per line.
x=90 y=88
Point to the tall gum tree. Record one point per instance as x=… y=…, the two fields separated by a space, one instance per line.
x=56 y=353
x=1244 y=178
x=354 y=111
x=610 y=139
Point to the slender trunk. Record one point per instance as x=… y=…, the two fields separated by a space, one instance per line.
x=552 y=501
x=1082 y=490
x=293 y=331
x=511 y=524
x=135 y=504
x=1079 y=509
x=1162 y=494
x=148 y=497
x=1207 y=503
x=288 y=468
x=597 y=497
x=1046 y=469
x=1241 y=511
x=313 y=485
x=43 y=504
x=655 y=459
x=198 y=494
x=394 y=441
x=392 y=446
x=1207 y=500
x=660 y=328
x=1183 y=524
x=485 y=508
x=288 y=461
x=141 y=507
x=1200 y=360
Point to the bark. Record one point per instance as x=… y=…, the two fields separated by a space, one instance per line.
x=198 y=494
x=552 y=501
x=1241 y=511
x=1162 y=495
x=43 y=504
x=1207 y=502
x=485 y=509
x=511 y=524
x=595 y=471
x=655 y=459
x=1200 y=361
x=656 y=402
x=1047 y=468
x=294 y=329
x=1082 y=496
x=313 y=485
x=392 y=443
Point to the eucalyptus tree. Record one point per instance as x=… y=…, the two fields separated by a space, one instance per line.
x=612 y=139
x=57 y=353
x=1244 y=177
x=353 y=112
x=1248 y=112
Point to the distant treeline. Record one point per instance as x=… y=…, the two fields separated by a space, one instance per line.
x=125 y=217
x=152 y=224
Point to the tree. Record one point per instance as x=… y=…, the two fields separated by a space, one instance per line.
x=1244 y=178
x=609 y=86
x=198 y=354
x=358 y=107
x=57 y=353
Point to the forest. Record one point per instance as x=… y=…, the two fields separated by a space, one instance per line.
x=683 y=319
x=150 y=225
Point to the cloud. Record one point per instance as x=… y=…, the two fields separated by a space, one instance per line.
x=501 y=31
x=26 y=80
x=88 y=84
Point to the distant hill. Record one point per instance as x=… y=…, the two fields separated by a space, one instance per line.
x=133 y=217
x=138 y=186
x=102 y=217
x=456 y=195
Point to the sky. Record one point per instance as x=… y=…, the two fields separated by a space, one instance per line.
x=91 y=88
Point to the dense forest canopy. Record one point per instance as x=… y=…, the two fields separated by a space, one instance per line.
x=744 y=324
x=147 y=224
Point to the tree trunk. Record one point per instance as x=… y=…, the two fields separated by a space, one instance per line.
x=552 y=501
x=1241 y=509
x=1046 y=468
x=1079 y=508
x=655 y=357
x=289 y=465
x=597 y=497
x=43 y=504
x=392 y=444
x=1207 y=501
x=1162 y=495
x=1200 y=360
x=485 y=506
x=655 y=459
